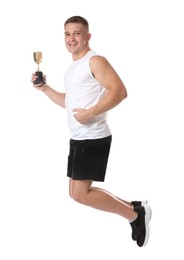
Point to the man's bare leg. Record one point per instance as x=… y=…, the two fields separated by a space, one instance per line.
x=83 y=192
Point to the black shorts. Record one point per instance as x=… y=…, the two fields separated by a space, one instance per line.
x=87 y=159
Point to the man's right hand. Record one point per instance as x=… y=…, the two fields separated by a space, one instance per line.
x=40 y=86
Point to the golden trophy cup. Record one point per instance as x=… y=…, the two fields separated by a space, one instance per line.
x=38 y=58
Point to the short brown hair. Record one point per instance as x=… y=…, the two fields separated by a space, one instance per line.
x=78 y=19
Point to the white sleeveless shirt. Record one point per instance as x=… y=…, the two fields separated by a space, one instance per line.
x=84 y=91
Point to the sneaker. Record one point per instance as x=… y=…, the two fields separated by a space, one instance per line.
x=140 y=226
x=136 y=203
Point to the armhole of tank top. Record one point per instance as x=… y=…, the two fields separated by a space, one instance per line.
x=95 y=54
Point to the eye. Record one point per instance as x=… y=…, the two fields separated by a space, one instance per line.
x=77 y=33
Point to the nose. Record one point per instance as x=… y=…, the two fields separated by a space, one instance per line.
x=72 y=37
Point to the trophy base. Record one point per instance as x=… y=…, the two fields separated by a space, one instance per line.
x=39 y=82
x=40 y=78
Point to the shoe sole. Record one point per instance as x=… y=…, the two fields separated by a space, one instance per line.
x=144 y=202
x=148 y=213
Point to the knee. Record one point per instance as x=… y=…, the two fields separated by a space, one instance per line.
x=78 y=196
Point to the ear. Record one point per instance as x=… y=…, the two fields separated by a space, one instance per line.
x=88 y=36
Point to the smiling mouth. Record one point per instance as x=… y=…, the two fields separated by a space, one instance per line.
x=72 y=44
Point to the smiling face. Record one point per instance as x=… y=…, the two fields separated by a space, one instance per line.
x=76 y=39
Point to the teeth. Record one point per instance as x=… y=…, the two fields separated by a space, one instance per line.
x=70 y=44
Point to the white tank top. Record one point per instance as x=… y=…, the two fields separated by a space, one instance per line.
x=84 y=91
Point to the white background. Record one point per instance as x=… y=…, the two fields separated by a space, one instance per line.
x=143 y=40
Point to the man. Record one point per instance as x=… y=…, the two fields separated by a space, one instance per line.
x=92 y=88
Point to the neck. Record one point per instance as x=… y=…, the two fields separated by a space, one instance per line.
x=81 y=54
